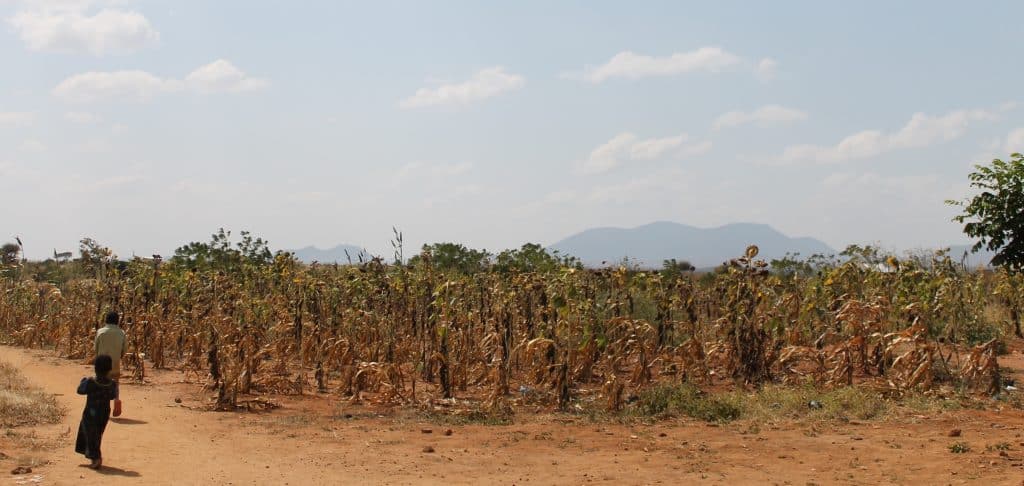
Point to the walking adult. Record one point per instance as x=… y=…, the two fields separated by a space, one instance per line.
x=110 y=341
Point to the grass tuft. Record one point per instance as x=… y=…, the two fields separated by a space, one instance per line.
x=21 y=404
x=960 y=448
x=767 y=404
x=688 y=400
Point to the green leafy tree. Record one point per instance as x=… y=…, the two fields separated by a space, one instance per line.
x=532 y=257
x=865 y=255
x=792 y=265
x=995 y=217
x=453 y=257
x=92 y=252
x=221 y=254
x=673 y=269
x=9 y=254
x=95 y=258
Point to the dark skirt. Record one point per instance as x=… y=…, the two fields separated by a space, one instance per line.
x=90 y=431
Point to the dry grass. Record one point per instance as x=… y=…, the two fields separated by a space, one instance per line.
x=376 y=332
x=22 y=404
x=774 y=403
x=809 y=403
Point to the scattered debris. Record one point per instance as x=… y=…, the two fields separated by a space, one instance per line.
x=36 y=479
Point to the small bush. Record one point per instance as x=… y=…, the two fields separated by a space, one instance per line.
x=959 y=448
x=688 y=400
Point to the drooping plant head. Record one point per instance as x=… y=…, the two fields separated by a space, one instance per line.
x=111 y=318
x=103 y=365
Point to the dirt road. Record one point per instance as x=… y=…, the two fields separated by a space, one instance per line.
x=319 y=441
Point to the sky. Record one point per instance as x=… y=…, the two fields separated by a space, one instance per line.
x=147 y=124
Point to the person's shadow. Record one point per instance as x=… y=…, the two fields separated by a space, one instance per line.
x=113 y=471
x=128 y=421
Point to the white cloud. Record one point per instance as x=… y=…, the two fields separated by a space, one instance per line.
x=920 y=131
x=1014 y=141
x=923 y=130
x=486 y=83
x=653 y=148
x=627 y=147
x=123 y=85
x=765 y=115
x=606 y=156
x=630 y=65
x=766 y=69
x=16 y=118
x=221 y=76
x=68 y=29
x=81 y=117
x=216 y=77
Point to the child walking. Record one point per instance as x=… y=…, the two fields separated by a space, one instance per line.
x=99 y=391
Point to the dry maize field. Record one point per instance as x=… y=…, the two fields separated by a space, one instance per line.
x=565 y=339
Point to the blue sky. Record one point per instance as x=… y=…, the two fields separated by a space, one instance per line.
x=146 y=124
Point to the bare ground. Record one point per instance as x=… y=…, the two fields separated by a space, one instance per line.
x=322 y=440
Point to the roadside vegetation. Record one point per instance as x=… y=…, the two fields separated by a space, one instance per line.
x=454 y=327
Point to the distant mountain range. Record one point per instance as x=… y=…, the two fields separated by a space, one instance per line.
x=650 y=244
x=337 y=254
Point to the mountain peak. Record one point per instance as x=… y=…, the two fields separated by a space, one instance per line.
x=310 y=254
x=652 y=243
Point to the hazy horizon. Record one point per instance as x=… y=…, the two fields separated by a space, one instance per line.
x=149 y=124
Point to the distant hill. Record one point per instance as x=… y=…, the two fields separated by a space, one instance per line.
x=312 y=254
x=650 y=244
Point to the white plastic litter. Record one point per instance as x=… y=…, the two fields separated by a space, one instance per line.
x=36 y=479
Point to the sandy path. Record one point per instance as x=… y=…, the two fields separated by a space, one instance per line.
x=155 y=442
x=309 y=442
